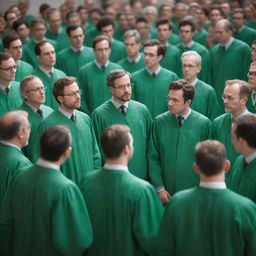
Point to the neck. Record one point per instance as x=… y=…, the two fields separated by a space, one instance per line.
x=216 y=178
x=191 y=80
x=187 y=42
x=4 y=83
x=48 y=68
x=70 y=111
x=184 y=112
x=35 y=105
x=239 y=112
x=15 y=142
x=248 y=151
x=154 y=68
x=59 y=162
x=135 y=56
x=118 y=161
x=118 y=100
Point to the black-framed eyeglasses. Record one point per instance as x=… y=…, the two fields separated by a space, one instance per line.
x=9 y=68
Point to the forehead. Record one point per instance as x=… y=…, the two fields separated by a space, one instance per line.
x=233 y=89
x=189 y=59
x=220 y=27
x=122 y=80
x=102 y=44
x=76 y=31
x=108 y=27
x=46 y=47
x=55 y=15
x=186 y=27
x=130 y=39
x=163 y=26
x=178 y=94
x=215 y=12
x=16 y=42
x=34 y=83
x=152 y=49
x=71 y=87
x=8 y=62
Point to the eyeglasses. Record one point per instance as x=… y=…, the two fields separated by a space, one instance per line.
x=72 y=94
x=9 y=68
x=251 y=73
x=228 y=98
x=188 y=66
x=38 y=89
x=16 y=47
x=123 y=87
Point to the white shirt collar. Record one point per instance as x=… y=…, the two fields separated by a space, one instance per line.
x=47 y=164
x=194 y=82
x=186 y=115
x=10 y=144
x=226 y=45
x=46 y=71
x=156 y=72
x=77 y=50
x=136 y=60
x=100 y=65
x=118 y=105
x=189 y=45
x=215 y=185
x=32 y=107
x=246 y=112
x=4 y=87
x=250 y=158
x=116 y=167
x=65 y=113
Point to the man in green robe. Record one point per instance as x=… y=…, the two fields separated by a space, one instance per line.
x=230 y=59
x=243 y=178
x=13 y=46
x=14 y=134
x=209 y=219
x=134 y=60
x=125 y=211
x=205 y=100
x=235 y=97
x=44 y=212
x=10 y=96
x=85 y=155
x=71 y=59
x=46 y=56
x=173 y=138
x=252 y=81
x=121 y=110
x=151 y=83
x=92 y=76
x=32 y=90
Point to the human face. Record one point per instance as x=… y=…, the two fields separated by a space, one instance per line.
x=233 y=103
x=186 y=34
x=77 y=38
x=123 y=22
x=102 y=51
x=190 y=68
x=180 y=11
x=215 y=16
x=38 y=31
x=15 y=49
x=95 y=17
x=23 y=31
x=163 y=32
x=166 y=12
x=83 y=14
x=222 y=35
x=34 y=93
x=121 y=91
x=108 y=31
x=11 y=17
x=47 y=59
x=238 y=20
x=54 y=21
x=151 y=59
x=7 y=71
x=225 y=8
x=74 y=20
x=2 y=24
x=252 y=76
x=143 y=29
x=71 y=98
x=253 y=52
x=132 y=47
x=176 y=103
x=236 y=141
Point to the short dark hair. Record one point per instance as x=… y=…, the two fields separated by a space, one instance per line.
x=7 y=40
x=51 y=11
x=114 y=139
x=115 y=74
x=36 y=21
x=164 y=22
x=44 y=7
x=246 y=129
x=60 y=84
x=4 y=56
x=188 y=89
x=100 y=38
x=105 y=21
x=71 y=14
x=6 y=14
x=17 y=23
x=142 y=19
x=218 y=8
x=38 y=47
x=187 y=22
x=81 y=7
x=160 y=46
x=239 y=10
x=210 y=157
x=97 y=10
x=72 y=27
x=54 y=142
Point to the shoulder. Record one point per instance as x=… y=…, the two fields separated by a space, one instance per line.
x=139 y=73
x=113 y=65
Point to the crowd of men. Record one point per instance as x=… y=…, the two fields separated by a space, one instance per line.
x=128 y=129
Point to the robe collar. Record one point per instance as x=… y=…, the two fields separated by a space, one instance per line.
x=4 y=87
x=77 y=50
x=100 y=65
x=66 y=114
x=118 y=105
x=10 y=144
x=156 y=72
x=227 y=45
x=47 y=164
x=186 y=115
x=46 y=71
x=214 y=185
x=134 y=61
x=32 y=107
x=250 y=158
x=116 y=167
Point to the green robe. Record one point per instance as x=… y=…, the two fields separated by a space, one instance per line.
x=117 y=51
x=11 y=101
x=44 y=214
x=232 y=63
x=12 y=160
x=200 y=37
x=243 y=181
x=23 y=69
x=205 y=100
x=247 y=35
x=85 y=154
x=92 y=82
x=119 y=34
x=204 y=53
x=131 y=67
x=153 y=90
x=125 y=212
x=172 y=150
x=70 y=62
x=90 y=36
x=251 y=24
x=202 y=221
x=34 y=120
x=48 y=85
x=138 y=119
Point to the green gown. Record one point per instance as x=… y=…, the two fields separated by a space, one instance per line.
x=11 y=101
x=44 y=214
x=247 y=35
x=125 y=212
x=200 y=37
x=119 y=34
x=153 y=90
x=70 y=62
x=138 y=119
x=23 y=69
x=204 y=53
x=171 y=150
x=91 y=34
x=205 y=100
x=92 y=82
x=202 y=221
x=85 y=154
x=131 y=67
x=117 y=51
x=12 y=160
x=232 y=63
x=243 y=181
x=48 y=85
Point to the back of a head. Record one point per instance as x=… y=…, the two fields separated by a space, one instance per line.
x=210 y=157
x=54 y=142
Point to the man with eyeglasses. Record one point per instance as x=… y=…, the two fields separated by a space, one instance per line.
x=92 y=76
x=33 y=93
x=10 y=96
x=85 y=155
x=46 y=56
x=151 y=83
x=120 y=109
x=13 y=46
x=235 y=97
